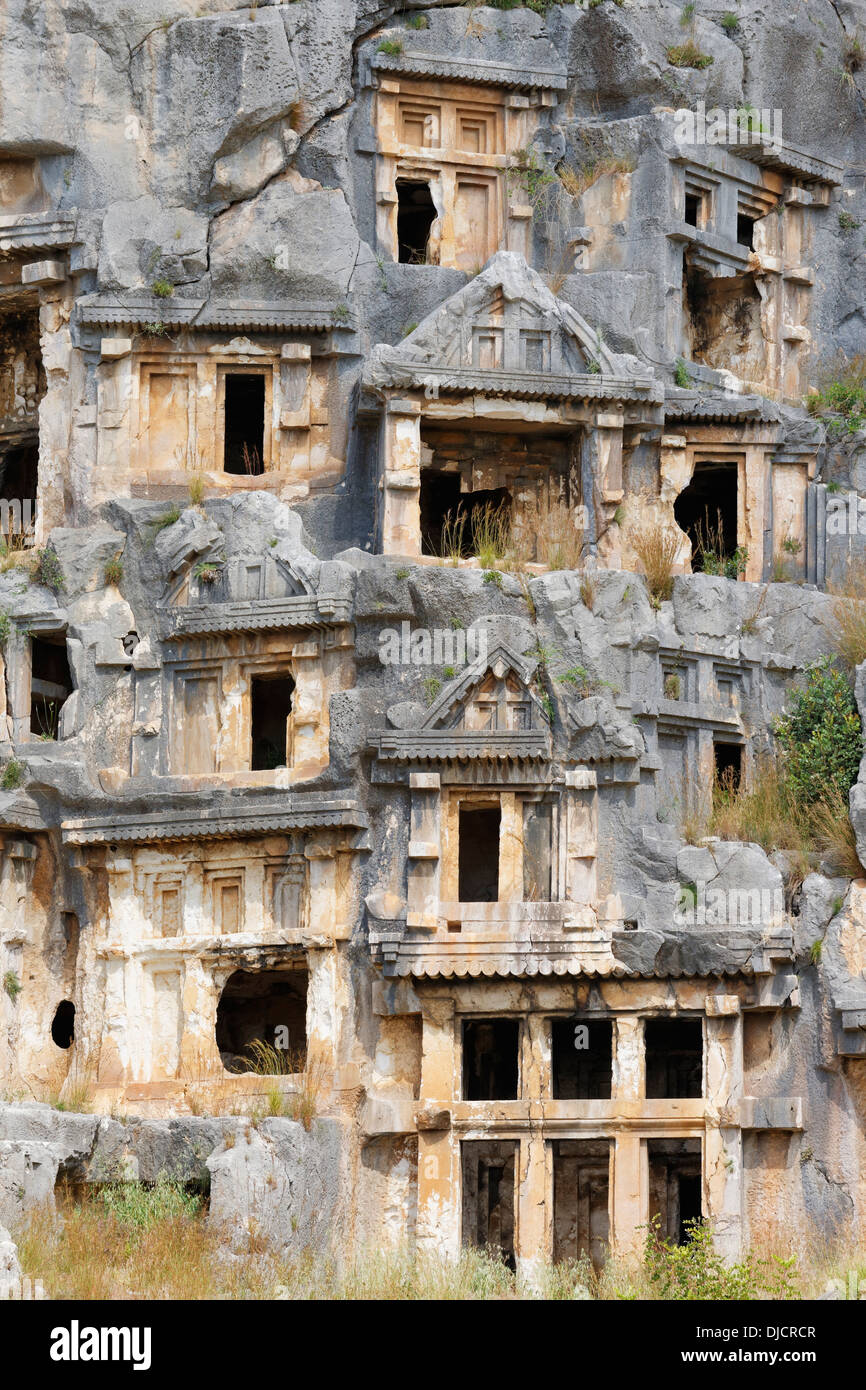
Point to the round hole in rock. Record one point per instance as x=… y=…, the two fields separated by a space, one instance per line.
x=264 y=1007
x=63 y=1026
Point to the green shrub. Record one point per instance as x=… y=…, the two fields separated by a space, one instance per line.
x=729 y=22
x=681 y=374
x=162 y=289
x=48 y=571
x=13 y=775
x=390 y=46
x=12 y=985
x=432 y=687
x=696 y=1270
x=5 y=627
x=139 y=1206
x=841 y=395
x=820 y=737
x=113 y=572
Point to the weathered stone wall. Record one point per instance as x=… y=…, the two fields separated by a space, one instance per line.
x=201 y=205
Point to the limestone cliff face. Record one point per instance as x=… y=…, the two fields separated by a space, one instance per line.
x=350 y=359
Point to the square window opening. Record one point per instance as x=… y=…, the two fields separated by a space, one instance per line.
x=581 y=1197
x=270 y=711
x=675 y=1186
x=478 y=854
x=746 y=231
x=728 y=766
x=693 y=209
x=416 y=213
x=674 y=1050
x=582 y=1058
x=50 y=683
x=490 y=1058
x=244 y=424
x=488 y=1173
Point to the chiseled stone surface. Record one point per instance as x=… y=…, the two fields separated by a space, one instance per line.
x=283 y=286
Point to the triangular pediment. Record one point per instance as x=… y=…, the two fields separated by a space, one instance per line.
x=242 y=579
x=493 y=694
x=505 y=322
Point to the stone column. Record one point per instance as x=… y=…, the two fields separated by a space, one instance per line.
x=630 y=1185
x=425 y=848
x=438 y=1228
x=401 y=478
x=723 y=1141
x=535 y=1159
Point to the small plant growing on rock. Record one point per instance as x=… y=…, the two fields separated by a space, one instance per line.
x=5 y=627
x=48 y=571
x=432 y=687
x=196 y=491
x=13 y=775
x=340 y=313
x=672 y=686
x=841 y=395
x=417 y=21
x=815 y=951
x=162 y=289
x=167 y=519
x=391 y=47
x=207 y=571
x=853 y=54
x=12 y=985
x=113 y=572
x=681 y=374
x=587 y=592
x=688 y=55
x=729 y=22
x=847 y=223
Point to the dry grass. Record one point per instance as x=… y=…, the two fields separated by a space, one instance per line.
x=848 y=621
x=17 y=551
x=490 y=528
x=577 y=179
x=764 y=813
x=656 y=548
x=453 y=529
x=767 y=813
x=549 y=535
x=157 y=1245
x=833 y=832
x=587 y=592
x=311 y=1071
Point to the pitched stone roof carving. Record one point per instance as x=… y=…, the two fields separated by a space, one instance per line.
x=505 y=333
x=488 y=711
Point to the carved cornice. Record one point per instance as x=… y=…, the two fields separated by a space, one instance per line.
x=103 y=311
x=458 y=745
x=470 y=70
x=298 y=811
x=256 y=615
x=36 y=232
x=586 y=386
